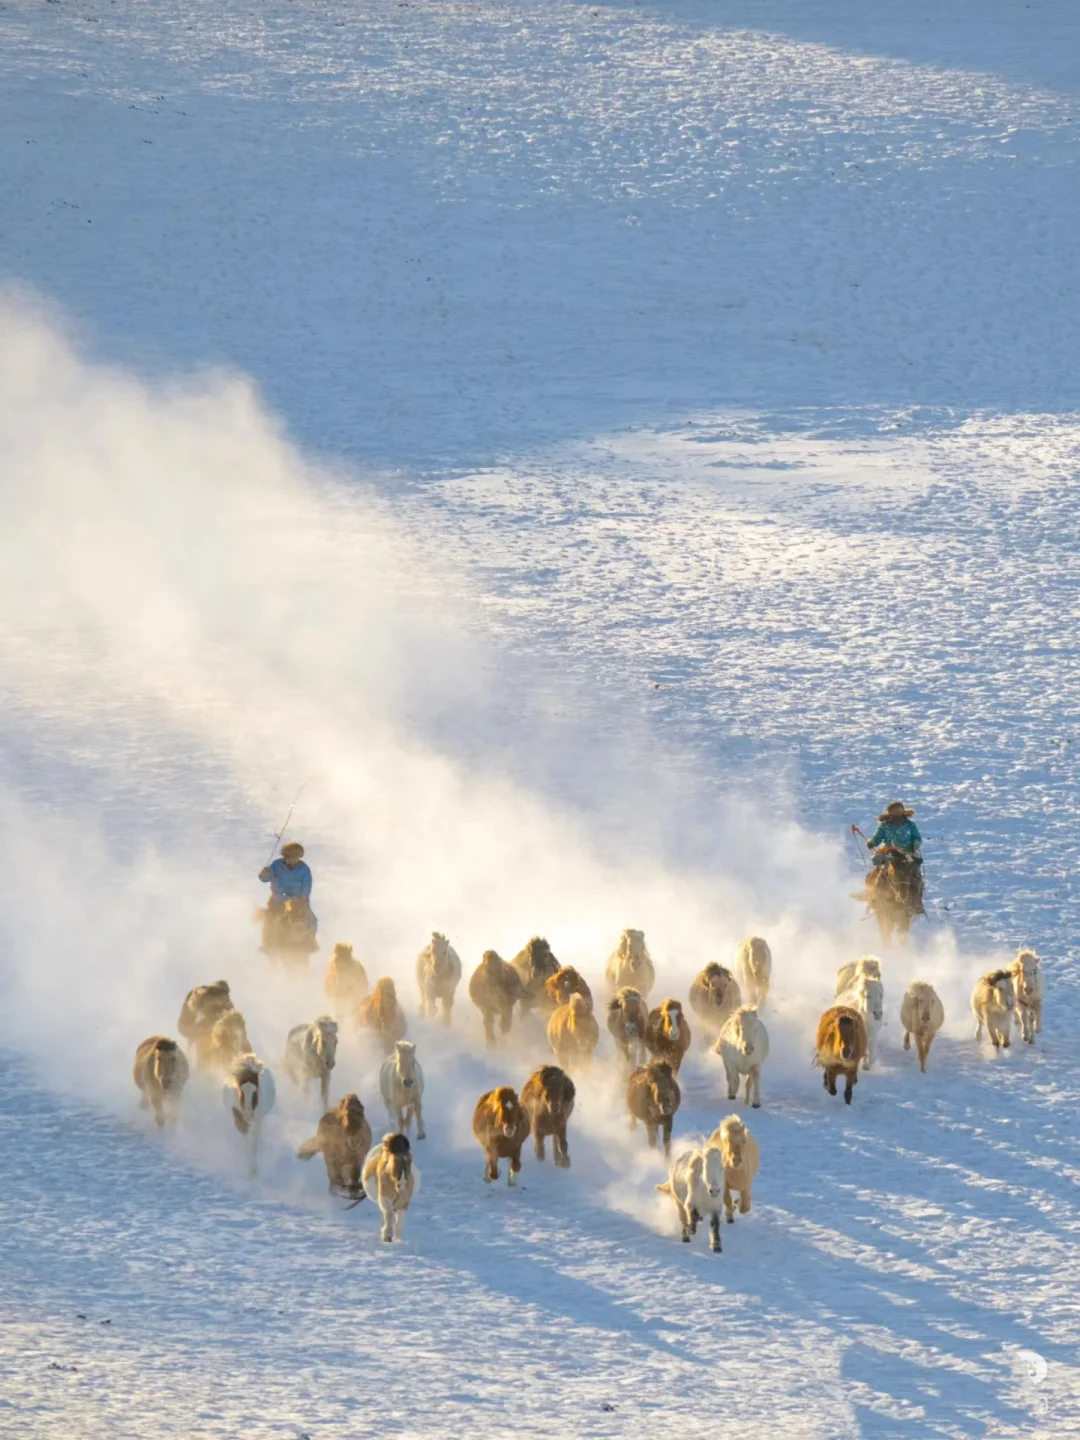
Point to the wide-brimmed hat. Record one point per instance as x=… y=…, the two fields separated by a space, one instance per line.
x=896 y=810
x=293 y=847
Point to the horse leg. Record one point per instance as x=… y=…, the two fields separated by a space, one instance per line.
x=489 y=1027
x=922 y=1045
x=562 y=1149
x=418 y=1111
x=538 y=1142
x=744 y=1198
x=324 y=1088
x=728 y=1208
x=714 y=1233
x=650 y=1131
x=852 y=1077
x=386 y=1206
x=515 y=1166
x=492 y=1170
x=830 y=1080
x=667 y=1134
x=732 y=1081
x=685 y=1220
x=907 y=1040
x=755 y=1075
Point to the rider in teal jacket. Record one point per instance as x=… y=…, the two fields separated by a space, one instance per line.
x=896 y=829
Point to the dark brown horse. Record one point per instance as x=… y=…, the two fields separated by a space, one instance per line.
x=893 y=895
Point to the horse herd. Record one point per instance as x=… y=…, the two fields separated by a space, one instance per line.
x=651 y=1041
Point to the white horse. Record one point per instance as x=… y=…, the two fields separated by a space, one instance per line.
x=391 y=1179
x=753 y=961
x=249 y=1093
x=1028 y=989
x=696 y=1183
x=438 y=974
x=311 y=1054
x=922 y=1015
x=743 y=1046
x=993 y=1002
x=401 y=1083
x=867 y=996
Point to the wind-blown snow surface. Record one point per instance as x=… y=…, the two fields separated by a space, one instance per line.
x=737 y=365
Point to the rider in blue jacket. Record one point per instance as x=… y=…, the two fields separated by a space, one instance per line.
x=289 y=878
x=898 y=831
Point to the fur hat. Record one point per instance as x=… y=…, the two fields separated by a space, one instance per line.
x=895 y=811
x=292 y=847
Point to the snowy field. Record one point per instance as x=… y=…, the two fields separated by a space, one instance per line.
x=609 y=449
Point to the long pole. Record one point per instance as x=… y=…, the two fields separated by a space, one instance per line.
x=856 y=831
x=288 y=817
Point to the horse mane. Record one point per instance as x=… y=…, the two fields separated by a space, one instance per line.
x=503 y=1098
x=383 y=1001
x=996 y=976
x=350 y=1109
x=246 y=1070
x=726 y=1128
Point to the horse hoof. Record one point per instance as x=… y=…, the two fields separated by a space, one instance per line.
x=731 y=1219
x=756 y=1105
x=686 y=1239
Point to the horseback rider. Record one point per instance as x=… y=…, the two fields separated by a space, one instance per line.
x=289 y=878
x=897 y=831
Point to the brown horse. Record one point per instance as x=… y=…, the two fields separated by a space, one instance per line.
x=892 y=894
x=535 y=965
x=287 y=932
x=381 y=1012
x=501 y=1125
x=566 y=982
x=548 y=1100
x=343 y=1139
x=839 y=1047
x=495 y=988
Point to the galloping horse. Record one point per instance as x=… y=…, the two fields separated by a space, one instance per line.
x=287 y=933
x=892 y=894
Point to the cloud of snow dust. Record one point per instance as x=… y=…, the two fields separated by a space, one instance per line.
x=195 y=620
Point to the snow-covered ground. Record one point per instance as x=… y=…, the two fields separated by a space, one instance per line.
x=608 y=448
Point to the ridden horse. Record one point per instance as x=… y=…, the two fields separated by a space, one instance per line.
x=892 y=895
x=288 y=934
